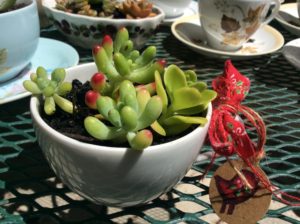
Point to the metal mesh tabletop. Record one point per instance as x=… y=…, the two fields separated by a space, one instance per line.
x=31 y=193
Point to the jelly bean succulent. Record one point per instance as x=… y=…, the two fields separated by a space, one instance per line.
x=129 y=115
x=119 y=61
x=131 y=95
x=52 y=89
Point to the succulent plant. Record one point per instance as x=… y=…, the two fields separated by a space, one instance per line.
x=184 y=100
x=128 y=116
x=134 y=9
x=131 y=93
x=52 y=89
x=81 y=7
x=119 y=61
x=108 y=8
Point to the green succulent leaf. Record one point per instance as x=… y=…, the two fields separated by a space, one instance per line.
x=186 y=97
x=191 y=76
x=176 y=128
x=131 y=100
x=143 y=96
x=150 y=87
x=134 y=55
x=146 y=57
x=161 y=92
x=105 y=65
x=140 y=140
x=174 y=79
x=64 y=88
x=201 y=86
x=193 y=110
x=42 y=83
x=33 y=77
x=107 y=44
x=99 y=130
x=121 y=64
x=63 y=103
x=48 y=91
x=31 y=87
x=114 y=118
x=129 y=118
x=41 y=72
x=177 y=119
x=145 y=75
x=105 y=104
x=151 y=112
x=208 y=95
x=158 y=128
x=126 y=88
x=127 y=47
x=122 y=37
x=49 y=106
x=58 y=75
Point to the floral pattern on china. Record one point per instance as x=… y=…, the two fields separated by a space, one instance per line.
x=229 y=24
x=234 y=17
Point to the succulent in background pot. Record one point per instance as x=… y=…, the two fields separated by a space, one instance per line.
x=131 y=96
x=19 y=36
x=85 y=27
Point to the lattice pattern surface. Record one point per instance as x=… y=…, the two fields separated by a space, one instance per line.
x=32 y=194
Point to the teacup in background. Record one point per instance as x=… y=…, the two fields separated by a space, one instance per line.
x=19 y=37
x=172 y=8
x=228 y=24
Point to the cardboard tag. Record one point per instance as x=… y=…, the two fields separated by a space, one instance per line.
x=232 y=200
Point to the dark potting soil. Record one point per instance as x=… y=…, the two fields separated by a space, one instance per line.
x=17 y=6
x=72 y=125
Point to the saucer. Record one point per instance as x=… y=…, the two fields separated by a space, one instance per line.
x=50 y=54
x=291 y=52
x=265 y=41
x=192 y=9
x=288 y=18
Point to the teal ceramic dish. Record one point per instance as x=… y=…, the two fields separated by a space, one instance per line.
x=19 y=38
x=59 y=55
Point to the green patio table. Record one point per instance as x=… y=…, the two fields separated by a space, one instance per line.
x=31 y=193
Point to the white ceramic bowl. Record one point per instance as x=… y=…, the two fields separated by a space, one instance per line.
x=86 y=31
x=115 y=176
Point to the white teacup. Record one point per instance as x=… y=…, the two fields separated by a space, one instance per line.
x=172 y=8
x=228 y=24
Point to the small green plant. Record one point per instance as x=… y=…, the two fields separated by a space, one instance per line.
x=184 y=99
x=52 y=89
x=128 y=115
x=131 y=94
x=119 y=61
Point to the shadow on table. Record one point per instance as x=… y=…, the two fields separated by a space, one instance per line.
x=33 y=191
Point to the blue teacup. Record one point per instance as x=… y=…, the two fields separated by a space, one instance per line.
x=19 y=38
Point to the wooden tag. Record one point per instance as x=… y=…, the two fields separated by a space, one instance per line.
x=232 y=201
